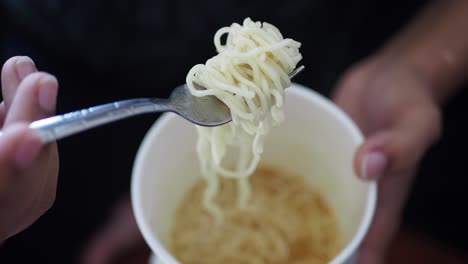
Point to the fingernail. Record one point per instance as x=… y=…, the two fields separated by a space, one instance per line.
x=25 y=66
x=27 y=152
x=373 y=165
x=48 y=93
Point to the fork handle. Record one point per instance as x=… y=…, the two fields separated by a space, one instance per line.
x=60 y=126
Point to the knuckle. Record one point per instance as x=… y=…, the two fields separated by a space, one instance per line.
x=10 y=62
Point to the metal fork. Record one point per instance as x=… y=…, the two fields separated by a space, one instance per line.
x=203 y=111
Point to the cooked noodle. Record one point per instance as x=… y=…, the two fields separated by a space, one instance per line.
x=232 y=216
x=249 y=75
x=286 y=222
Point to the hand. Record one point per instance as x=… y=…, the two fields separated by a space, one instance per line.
x=28 y=169
x=400 y=119
x=118 y=239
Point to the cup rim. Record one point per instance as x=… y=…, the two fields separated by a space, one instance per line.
x=136 y=182
x=345 y=253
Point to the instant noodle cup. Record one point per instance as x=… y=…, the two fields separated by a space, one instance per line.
x=317 y=140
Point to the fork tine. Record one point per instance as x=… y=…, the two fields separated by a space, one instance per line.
x=296 y=71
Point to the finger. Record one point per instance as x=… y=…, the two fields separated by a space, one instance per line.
x=19 y=147
x=45 y=172
x=35 y=98
x=45 y=179
x=393 y=190
x=391 y=156
x=399 y=147
x=13 y=72
x=390 y=159
x=118 y=237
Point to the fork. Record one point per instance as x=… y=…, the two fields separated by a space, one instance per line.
x=204 y=111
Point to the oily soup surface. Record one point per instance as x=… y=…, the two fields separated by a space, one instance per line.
x=286 y=221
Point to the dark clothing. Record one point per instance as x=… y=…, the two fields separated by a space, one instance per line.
x=169 y=36
x=103 y=51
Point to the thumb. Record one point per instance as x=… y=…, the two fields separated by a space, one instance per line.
x=400 y=146
x=391 y=156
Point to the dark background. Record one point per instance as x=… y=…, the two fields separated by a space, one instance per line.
x=102 y=51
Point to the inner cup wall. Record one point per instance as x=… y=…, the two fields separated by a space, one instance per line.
x=312 y=142
x=315 y=143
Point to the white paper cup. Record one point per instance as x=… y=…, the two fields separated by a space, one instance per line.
x=317 y=140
